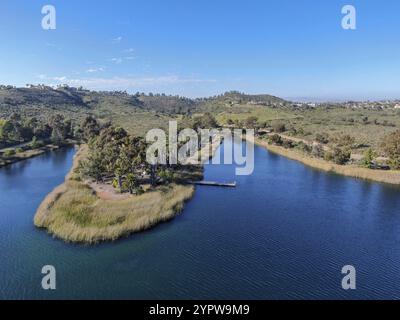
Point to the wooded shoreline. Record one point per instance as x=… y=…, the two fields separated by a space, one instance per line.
x=31 y=153
x=27 y=155
x=389 y=177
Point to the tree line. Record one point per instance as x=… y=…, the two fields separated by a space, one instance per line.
x=17 y=129
x=116 y=156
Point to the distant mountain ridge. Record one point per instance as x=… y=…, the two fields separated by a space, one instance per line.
x=64 y=96
x=38 y=95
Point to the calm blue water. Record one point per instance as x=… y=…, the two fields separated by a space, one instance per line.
x=284 y=232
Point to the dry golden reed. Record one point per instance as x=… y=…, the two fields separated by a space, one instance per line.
x=73 y=212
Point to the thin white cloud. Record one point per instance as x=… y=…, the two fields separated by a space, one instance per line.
x=130 y=50
x=53 y=45
x=126 y=83
x=117 y=60
x=117 y=40
x=94 y=70
x=60 y=79
x=129 y=58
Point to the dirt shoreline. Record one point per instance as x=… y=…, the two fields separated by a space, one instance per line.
x=389 y=177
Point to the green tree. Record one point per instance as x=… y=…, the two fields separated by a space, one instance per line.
x=25 y=133
x=322 y=138
x=206 y=121
x=278 y=127
x=60 y=129
x=6 y=130
x=318 y=150
x=369 y=157
x=251 y=122
x=57 y=137
x=113 y=153
x=343 y=140
x=166 y=175
x=338 y=155
x=131 y=183
x=35 y=143
x=391 y=147
x=43 y=131
x=276 y=139
x=94 y=166
x=9 y=153
x=90 y=128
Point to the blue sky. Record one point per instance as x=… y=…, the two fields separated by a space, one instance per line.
x=290 y=48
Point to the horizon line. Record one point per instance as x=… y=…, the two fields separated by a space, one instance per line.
x=291 y=99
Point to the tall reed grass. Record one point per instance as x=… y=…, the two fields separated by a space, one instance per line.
x=74 y=213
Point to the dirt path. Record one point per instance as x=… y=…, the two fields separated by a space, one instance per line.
x=107 y=191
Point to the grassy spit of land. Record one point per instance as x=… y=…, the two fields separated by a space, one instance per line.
x=74 y=212
x=390 y=177
x=6 y=161
x=30 y=153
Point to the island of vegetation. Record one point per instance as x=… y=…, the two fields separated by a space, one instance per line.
x=112 y=191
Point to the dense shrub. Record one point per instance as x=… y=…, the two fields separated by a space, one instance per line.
x=9 y=153
x=369 y=157
x=303 y=147
x=391 y=147
x=338 y=155
x=276 y=139
x=35 y=144
x=322 y=138
x=343 y=140
x=318 y=151
x=287 y=144
x=206 y=121
x=251 y=122
x=278 y=127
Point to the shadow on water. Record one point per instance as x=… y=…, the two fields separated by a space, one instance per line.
x=14 y=169
x=59 y=157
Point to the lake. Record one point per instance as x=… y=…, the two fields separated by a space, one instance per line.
x=285 y=232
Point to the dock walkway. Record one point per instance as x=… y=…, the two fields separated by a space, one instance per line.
x=213 y=184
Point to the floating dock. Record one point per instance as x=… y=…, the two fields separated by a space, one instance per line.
x=214 y=184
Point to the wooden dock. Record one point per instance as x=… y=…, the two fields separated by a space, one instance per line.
x=214 y=184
